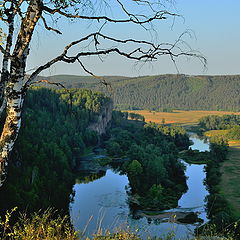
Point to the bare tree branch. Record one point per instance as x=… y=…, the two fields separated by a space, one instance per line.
x=102 y=79
x=48 y=82
x=31 y=11
x=160 y=15
x=49 y=28
x=151 y=53
x=58 y=85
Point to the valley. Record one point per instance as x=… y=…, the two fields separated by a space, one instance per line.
x=146 y=176
x=119 y=120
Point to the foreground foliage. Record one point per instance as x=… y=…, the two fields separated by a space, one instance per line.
x=39 y=226
x=48 y=225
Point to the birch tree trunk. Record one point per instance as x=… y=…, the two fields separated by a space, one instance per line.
x=15 y=93
x=15 y=89
x=5 y=62
x=15 y=97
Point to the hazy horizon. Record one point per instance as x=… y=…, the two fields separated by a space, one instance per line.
x=213 y=25
x=82 y=75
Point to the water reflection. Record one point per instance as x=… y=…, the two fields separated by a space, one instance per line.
x=104 y=200
x=199 y=143
x=86 y=177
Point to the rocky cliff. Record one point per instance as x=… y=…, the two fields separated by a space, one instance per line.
x=104 y=119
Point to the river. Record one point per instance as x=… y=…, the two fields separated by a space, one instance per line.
x=102 y=203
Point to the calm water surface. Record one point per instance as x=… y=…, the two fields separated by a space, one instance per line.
x=103 y=203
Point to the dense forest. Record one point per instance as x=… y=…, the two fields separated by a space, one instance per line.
x=230 y=123
x=165 y=92
x=213 y=122
x=156 y=176
x=53 y=136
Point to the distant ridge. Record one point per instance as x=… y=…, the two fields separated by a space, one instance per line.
x=179 y=91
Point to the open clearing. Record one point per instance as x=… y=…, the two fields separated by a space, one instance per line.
x=178 y=116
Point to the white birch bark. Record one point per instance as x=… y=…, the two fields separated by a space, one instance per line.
x=5 y=62
x=15 y=96
x=10 y=132
x=15 y=90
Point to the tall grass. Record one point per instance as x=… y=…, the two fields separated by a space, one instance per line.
x=48 y=225
x=40 y=226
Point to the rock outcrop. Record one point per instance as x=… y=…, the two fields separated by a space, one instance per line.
x=103 y=120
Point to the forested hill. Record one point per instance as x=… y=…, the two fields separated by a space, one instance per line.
x=166 y=91
x=54 y=134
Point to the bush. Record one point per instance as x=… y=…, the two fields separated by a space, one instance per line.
x=40 y=226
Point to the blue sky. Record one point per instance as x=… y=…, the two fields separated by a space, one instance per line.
x=216 y=25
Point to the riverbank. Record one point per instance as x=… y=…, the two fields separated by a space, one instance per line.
x=106 y=197
x=230 y=171
x=230 y=181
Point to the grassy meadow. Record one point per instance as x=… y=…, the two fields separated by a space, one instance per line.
x=230 y=169
x=178 y=116
x=230 y=184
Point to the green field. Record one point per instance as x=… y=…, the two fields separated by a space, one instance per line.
x=230 y=184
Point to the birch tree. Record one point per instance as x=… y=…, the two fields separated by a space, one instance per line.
x=21 y=18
